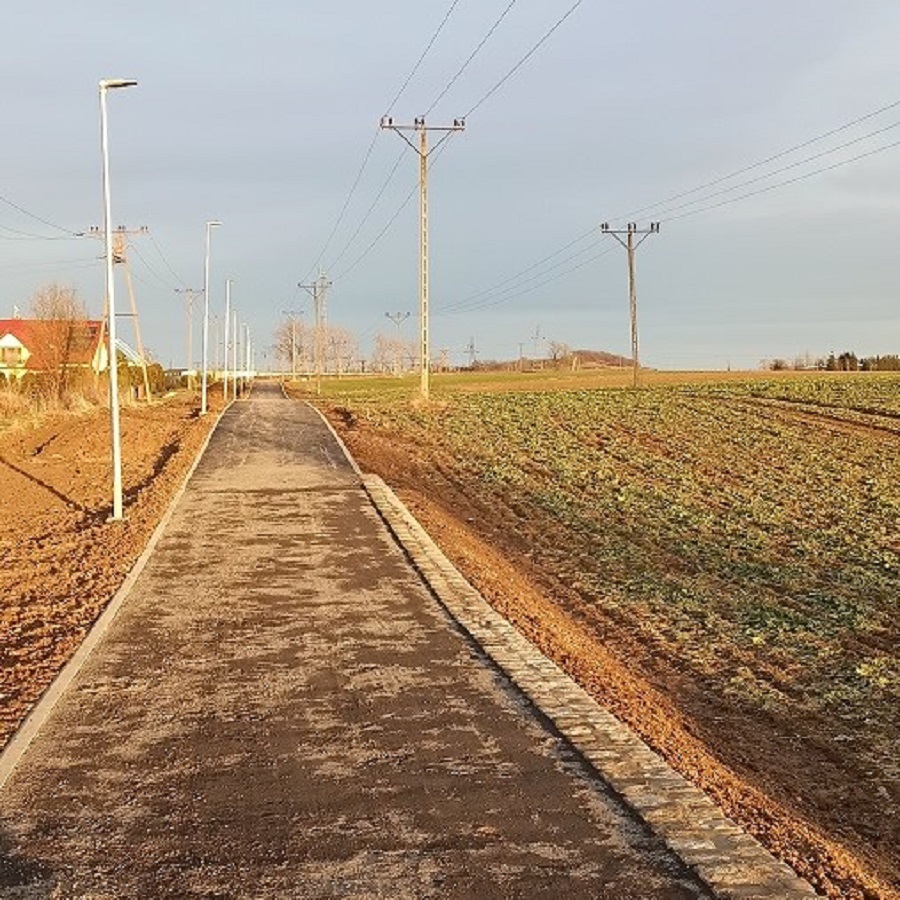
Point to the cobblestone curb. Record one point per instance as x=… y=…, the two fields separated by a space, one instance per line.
x=731 y=862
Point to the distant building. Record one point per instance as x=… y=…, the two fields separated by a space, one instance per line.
x=42 y=345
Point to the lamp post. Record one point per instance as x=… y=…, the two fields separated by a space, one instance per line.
x=108 y=84
x=209 y=227
x=228 y=282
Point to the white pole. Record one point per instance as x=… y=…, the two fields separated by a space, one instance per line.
x=227 y=321
x=204 y=376
x=115 y=432
x=234 y=355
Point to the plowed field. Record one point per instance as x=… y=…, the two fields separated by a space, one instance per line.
x=60 y=560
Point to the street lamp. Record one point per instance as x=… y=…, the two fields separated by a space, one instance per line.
x=228 y=283
x=209 y=227
x=108 y=84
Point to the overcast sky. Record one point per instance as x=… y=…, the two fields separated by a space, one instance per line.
x=261 y=114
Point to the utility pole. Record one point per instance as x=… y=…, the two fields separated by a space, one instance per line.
x=535 y=342
x=191 y=295
x=521 y=355
x=120 y=258
x=630 y=230
x=292 y=318
x=472 y=351
x=398 y=318
x=318 y=290
x=423 y=151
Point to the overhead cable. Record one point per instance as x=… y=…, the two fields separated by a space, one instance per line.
x=472 y=56
x=368 y=153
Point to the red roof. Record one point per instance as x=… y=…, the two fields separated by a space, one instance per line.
x=52 y=342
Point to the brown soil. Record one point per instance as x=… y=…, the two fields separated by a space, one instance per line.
x=760 y=773
x=60 y=559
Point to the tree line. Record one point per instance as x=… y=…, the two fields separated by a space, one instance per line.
x=848 y=361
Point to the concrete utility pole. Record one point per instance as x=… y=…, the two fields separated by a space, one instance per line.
x=120 y=258
x=535 y=341
x=630 y=230
x=191 y=294
x=318 y=290
x=423 y=151
x=472 y=351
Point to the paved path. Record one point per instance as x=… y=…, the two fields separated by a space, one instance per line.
x=282 y=709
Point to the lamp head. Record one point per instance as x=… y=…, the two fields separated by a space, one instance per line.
x=108 y=84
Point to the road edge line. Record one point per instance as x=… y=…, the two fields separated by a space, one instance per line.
x=23 y=736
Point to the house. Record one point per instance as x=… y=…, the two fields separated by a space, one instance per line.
x=50 y=345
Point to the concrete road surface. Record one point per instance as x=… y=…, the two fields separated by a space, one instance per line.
x=281 y=709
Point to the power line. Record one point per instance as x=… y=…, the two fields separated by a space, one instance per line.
x=420 y=60
x=369 y=211
x=406 y=201
x=452 y=81
x=165 y=282
x=496 y=301
x=490 y=290
x=371 y=146
x=505 y=296
x=483 y=99
x=787 y=168
x=453 y=307
x=772 y=187
x=158 y=249
x=81 y=263
x=472 y=56
x=525 y=58
x=19 y=235
x=38 y=218
x=775 y=156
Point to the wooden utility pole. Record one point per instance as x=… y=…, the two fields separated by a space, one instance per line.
x=423 y=151
x=630 y=230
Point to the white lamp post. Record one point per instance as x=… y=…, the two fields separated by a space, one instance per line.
x=228 y=282
x=209 y=227
x=108 y=84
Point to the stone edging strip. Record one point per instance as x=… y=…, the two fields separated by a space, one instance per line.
x=34 y=721
x=731 y=862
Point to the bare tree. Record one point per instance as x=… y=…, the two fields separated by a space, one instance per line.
x=341 y=346
x=559 y=351
x=293 y=345
x=61 y=335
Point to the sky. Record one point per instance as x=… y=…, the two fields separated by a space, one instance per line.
x=264 y=116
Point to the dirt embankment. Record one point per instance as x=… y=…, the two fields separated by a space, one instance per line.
x=749 y=767
x=60 y=559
